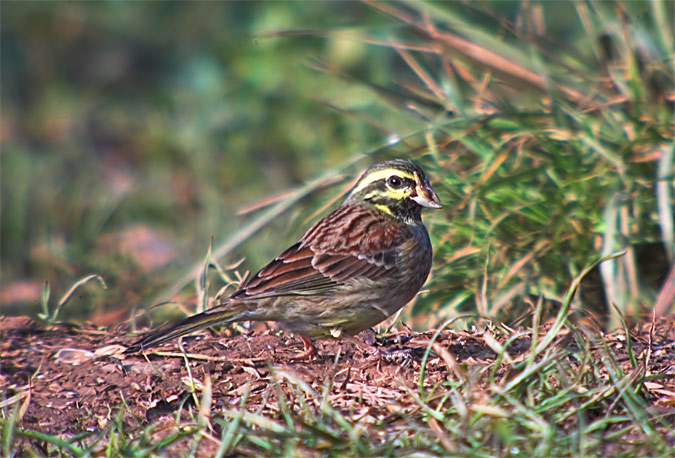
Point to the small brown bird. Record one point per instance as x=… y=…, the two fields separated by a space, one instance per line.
x=353 y=269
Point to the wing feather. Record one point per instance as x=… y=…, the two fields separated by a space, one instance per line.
x=354 y=241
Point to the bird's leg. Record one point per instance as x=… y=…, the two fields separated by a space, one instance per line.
x=310 y=349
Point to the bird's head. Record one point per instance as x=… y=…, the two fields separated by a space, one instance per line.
x=399 y=188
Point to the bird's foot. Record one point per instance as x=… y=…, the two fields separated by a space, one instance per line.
x=309 y=349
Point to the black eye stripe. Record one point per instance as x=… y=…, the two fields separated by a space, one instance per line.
x=398 y=182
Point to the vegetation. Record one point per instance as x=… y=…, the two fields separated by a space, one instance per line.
x=131 y=135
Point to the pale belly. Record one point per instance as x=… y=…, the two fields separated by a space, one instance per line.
x=351 y=312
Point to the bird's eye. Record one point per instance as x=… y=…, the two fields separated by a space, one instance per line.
x=395 y=182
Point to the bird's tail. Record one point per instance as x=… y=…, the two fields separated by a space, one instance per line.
x=219 y=314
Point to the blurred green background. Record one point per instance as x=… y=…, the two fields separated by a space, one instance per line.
x=168 y=115
x=132 y=133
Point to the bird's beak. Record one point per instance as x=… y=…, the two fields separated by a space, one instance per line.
x=424 y=195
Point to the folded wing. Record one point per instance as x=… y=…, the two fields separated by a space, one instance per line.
x=351 y=243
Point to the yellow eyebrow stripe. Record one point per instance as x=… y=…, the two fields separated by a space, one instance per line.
x=379 y=175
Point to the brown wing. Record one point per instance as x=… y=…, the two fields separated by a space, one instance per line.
x=352 y=242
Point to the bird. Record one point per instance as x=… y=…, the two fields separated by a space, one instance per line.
x=351 y=270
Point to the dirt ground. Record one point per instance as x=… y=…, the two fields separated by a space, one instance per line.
x=71 y=379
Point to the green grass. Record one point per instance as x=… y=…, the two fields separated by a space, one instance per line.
x=549 y=151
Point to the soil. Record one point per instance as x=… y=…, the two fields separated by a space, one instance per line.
x=68 y=380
